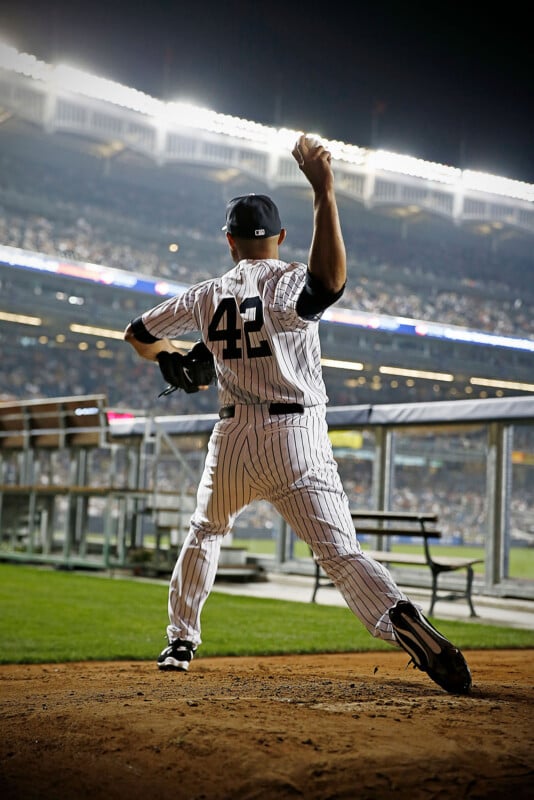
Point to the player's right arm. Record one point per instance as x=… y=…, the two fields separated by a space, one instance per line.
x=327 y=263
x=327 y=259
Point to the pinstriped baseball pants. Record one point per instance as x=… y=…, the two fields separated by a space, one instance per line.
x=287 y=460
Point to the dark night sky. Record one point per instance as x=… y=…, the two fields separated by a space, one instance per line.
x=449 y=85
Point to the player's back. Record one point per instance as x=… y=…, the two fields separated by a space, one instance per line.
x=264 y=351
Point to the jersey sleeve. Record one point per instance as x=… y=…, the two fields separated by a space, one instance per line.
x=141 y=333
x=301 y=294
x=171 y=318
x=314 y=298
x=288 y=289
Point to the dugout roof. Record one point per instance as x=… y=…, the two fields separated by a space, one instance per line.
x=434 y=413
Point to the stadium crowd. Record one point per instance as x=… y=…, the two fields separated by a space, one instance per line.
x=387 y=287
x=48 y=370
x=82 y=211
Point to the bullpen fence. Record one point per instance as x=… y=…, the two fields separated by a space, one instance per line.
x=86 y=486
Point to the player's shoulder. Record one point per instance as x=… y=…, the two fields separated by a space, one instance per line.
x=293 y=271
x=296 y=267
x=280 y=268
x=202 y=287
x=280 y=276
x=288 y=286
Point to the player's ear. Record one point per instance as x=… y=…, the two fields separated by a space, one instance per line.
x=231 y=243
x=233 y=247
x=282 y=236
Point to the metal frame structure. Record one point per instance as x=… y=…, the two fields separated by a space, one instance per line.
x=46 y=519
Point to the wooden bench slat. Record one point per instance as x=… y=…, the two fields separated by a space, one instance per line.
x=398 y=558
x=407 y=516
x=456 y=562
x=411 y=558
x=416 y=533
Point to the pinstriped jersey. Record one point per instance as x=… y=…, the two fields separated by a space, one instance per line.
x=264 y=352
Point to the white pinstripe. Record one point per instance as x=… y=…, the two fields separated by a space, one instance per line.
x=285 y=459
x=288 y=461
x=293 y=373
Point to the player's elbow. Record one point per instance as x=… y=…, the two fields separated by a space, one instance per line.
x=335 y=287
x=148 y=351
x=334 y=280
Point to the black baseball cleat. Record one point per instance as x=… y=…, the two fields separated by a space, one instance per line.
x=430 y=651
x=177 y=656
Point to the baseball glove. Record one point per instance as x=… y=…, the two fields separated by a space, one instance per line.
x=189 y=372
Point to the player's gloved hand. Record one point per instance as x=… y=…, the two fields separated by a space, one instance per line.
x=193 y=371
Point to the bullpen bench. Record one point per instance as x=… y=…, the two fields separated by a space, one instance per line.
x=384 y=524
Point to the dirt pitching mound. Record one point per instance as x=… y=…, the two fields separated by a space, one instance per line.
x=328 y=726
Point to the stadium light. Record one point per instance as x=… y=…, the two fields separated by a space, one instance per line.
x=110 y=333
x=417 y=373
x=22 y=319
x=192 y=116
x=493 y=184
x=23 y=63
x=336 y=364
x=78 y=81
x=416 y=167
x=72 y=79
x=498 y=384
x=348 y=152
x=91 y=330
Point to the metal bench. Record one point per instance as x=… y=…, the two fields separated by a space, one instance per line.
x=383 y=524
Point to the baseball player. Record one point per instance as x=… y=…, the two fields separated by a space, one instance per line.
x=260 y=322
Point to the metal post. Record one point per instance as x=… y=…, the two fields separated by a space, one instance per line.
x=498 y=494
x=383 y=475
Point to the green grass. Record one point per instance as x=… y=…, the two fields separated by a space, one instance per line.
x=55 y=616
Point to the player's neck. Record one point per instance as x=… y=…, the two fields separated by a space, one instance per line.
x=256 y=253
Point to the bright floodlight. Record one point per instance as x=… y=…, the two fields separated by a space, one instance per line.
x=13 y=61
x=495 y=185
x=77 y=81
x=408 y=165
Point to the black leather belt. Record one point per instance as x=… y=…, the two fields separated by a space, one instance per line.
x=274 y=408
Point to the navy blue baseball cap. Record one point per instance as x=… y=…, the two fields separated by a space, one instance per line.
x=252 y=216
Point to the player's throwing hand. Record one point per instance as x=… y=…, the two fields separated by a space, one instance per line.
x=314 y=161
